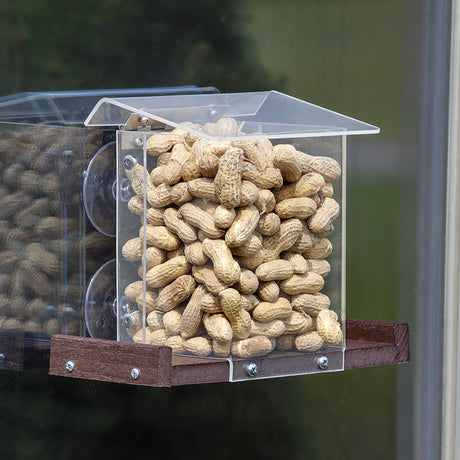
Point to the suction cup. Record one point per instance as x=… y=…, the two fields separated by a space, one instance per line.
x=99 y=190
x=101 y=303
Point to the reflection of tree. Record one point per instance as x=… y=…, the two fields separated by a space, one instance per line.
x=50 y=44
x=67 y=419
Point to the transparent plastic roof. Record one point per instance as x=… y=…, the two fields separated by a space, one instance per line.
x=72 y=107
x=259 y=114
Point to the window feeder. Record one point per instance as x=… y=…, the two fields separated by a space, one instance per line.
x=195 y=237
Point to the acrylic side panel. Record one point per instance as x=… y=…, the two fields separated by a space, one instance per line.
x=208 y=291
x=324 y=251
x=48 y=248
x=99 y=207
x=334 y=191
x=134 y=255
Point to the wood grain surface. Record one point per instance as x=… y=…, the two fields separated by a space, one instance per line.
x=369 y=343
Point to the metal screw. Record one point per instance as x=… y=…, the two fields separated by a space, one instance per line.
x=2 y=358
x=70 y=366
x=138 y=142
x=69 y=312
x=135 y=372
x=127 y=307
x=143 y=120
x=124 y=304
x=252 y=369
x=129 y=162
x=323 y=362
x=68 y=156
x=128 y=320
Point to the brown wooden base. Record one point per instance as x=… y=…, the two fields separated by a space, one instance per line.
x=369 y=343
x=376 y=343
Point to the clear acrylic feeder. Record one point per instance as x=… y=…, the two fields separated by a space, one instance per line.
x=57 y=214
x=230 y=226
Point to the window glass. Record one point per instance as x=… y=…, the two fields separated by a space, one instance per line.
x=357 y=58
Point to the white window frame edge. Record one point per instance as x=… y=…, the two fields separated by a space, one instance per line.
x=451 y=368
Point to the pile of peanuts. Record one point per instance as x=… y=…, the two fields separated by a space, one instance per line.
x=236 y=244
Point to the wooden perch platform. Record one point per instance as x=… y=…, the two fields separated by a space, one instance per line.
x=368 y=343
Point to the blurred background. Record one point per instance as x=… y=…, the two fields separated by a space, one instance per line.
x=361 y=58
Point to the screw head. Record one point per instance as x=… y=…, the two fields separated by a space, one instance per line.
x=68 y=156
x=323 y=362
x=127 y=307
x=252 y=369
x=135 y=372
x=143 y=120
x=131 y=307
x=129 y=162
x=69 y=366
x=128 y=320
x=2 y=358
x=138 y=142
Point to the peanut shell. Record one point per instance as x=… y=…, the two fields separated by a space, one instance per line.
x=309 y=283
x=268 y=311
x=225 y=267
x=164 y=273
x=309 y=342
x=328 y=327
x=252 y=347
x=228 y=178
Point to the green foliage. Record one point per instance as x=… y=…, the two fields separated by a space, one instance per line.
x=51 y=45
x=373 y=251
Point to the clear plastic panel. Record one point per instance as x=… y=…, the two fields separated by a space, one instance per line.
x=131 y=243
x=263 y=287
x=72 y=107
x=57 y=214
x=261 y=114
x=99 y=194
x=47 y=252
x=326 y=258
